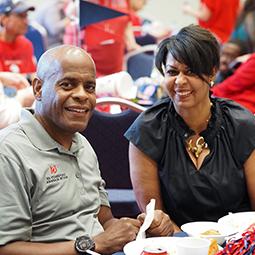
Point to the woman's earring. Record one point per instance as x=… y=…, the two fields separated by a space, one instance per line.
x=211 y=83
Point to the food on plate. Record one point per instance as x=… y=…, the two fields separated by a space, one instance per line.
x=213 y=248
x=211 y=232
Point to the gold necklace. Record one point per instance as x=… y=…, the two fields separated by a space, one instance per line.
x=197 y=149
x=200 y=144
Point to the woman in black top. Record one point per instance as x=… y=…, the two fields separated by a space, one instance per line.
x=193 y=153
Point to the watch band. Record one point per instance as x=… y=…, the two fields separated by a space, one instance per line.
x=83 y=244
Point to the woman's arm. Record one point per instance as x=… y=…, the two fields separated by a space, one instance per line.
x=130 y=41
x=249 y=169
x=203 y=13
x=144 y=177
x=145 y=180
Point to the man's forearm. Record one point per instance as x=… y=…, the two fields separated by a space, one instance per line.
x=32 y=248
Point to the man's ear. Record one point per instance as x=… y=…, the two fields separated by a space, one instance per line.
x=37 y=88
x=3 y=19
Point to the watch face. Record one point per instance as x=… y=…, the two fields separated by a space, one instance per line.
x=84 y=243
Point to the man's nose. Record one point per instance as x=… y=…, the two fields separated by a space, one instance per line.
x=80 y=92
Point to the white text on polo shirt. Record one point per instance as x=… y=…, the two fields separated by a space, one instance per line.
x=56 y=178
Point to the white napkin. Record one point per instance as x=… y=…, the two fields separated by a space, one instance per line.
x=148 y=219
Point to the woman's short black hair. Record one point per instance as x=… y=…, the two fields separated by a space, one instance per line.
x=193 y=46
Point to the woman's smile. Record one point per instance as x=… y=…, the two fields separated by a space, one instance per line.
x=183 y=94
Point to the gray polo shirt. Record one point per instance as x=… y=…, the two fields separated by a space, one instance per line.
x=47 y=193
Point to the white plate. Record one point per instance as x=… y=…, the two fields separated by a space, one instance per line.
x=239 y=221
x=197 y=228
x=136 y=247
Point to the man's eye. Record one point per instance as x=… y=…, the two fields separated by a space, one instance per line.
x=66 y=85
x=91 y=88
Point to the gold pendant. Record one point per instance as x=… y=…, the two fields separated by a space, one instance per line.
x=199 y=146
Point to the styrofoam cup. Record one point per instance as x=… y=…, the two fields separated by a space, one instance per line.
x=118 y=85
x=192 y=246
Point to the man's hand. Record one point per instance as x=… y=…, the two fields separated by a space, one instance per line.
x=116 y=235
x=25 y=97
x=161 y=224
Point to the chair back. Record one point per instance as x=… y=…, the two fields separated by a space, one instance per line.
x=105 y=133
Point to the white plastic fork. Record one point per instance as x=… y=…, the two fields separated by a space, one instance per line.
x=148 y=219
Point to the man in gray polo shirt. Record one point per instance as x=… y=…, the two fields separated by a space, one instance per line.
x=52 y=197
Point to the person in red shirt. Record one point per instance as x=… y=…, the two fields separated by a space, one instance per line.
x=229 y=62
x=240 y=87
x=16 y=52
x=107 y=40
x=218 y=16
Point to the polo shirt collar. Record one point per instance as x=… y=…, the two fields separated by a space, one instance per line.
x=39 y=137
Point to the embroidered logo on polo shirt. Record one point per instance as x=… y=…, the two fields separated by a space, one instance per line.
x=54 y=175
x=53 y=169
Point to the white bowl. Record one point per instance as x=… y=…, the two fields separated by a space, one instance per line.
x=238 y=221
x=197 y=228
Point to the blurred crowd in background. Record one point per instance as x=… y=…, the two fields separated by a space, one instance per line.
x=122 y=47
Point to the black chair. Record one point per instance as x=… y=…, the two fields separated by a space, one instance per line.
x=105 y=134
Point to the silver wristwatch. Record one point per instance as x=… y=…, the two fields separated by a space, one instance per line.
x=83 y=244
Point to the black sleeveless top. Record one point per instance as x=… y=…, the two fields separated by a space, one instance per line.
x=219 y=186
